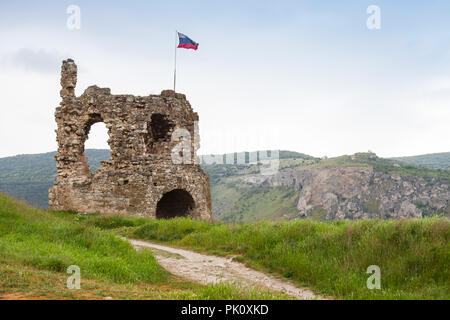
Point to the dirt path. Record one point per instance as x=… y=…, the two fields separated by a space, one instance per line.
x=212 y=269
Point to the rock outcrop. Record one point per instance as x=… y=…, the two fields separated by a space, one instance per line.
x=140 y=177
x=359 y=192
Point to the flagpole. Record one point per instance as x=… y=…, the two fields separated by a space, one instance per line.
x=175 y=68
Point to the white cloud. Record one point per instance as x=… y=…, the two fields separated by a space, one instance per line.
x=40 y=61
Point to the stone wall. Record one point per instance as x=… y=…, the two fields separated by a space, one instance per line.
x=140 y=171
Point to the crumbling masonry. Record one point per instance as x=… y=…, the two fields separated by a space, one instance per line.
x=140 y=177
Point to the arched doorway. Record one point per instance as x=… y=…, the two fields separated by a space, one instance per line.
x=96 y=147
x=176 y=203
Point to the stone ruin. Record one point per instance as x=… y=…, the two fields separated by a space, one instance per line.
x=140 y=178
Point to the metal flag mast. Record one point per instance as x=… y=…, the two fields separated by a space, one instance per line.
x=175 y=68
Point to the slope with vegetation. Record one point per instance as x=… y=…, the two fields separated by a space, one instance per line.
x=329 y=257
x=28 y=177
x=37 y=247
x=432 y=160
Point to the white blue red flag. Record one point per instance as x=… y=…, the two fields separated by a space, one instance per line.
x=185 y=42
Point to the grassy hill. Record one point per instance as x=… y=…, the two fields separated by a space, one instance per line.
x=433 y=160
x=329 y=257
x=37 y=246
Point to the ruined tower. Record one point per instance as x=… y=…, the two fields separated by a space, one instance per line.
x=153 y=169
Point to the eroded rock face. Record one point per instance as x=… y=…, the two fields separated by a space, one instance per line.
x=360 y=192
x=140 y=171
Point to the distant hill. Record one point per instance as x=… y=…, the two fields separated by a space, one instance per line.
x=432 y=160
x=346 y=187
x=241 y=194
x=29 y=176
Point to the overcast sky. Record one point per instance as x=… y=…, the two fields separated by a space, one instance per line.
x=306 y=76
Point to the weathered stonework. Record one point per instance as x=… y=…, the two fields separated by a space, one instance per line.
x=140 y=177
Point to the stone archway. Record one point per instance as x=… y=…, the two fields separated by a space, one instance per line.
x=84 y=135
x=175 y=203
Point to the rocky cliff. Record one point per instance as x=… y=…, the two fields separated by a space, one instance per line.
x=360 y=191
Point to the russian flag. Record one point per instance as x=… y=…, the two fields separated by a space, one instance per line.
x=185 y=42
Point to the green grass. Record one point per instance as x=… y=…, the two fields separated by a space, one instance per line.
x=19 y=281
x=330 y=257
x=37 y=246
x=50 y=241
